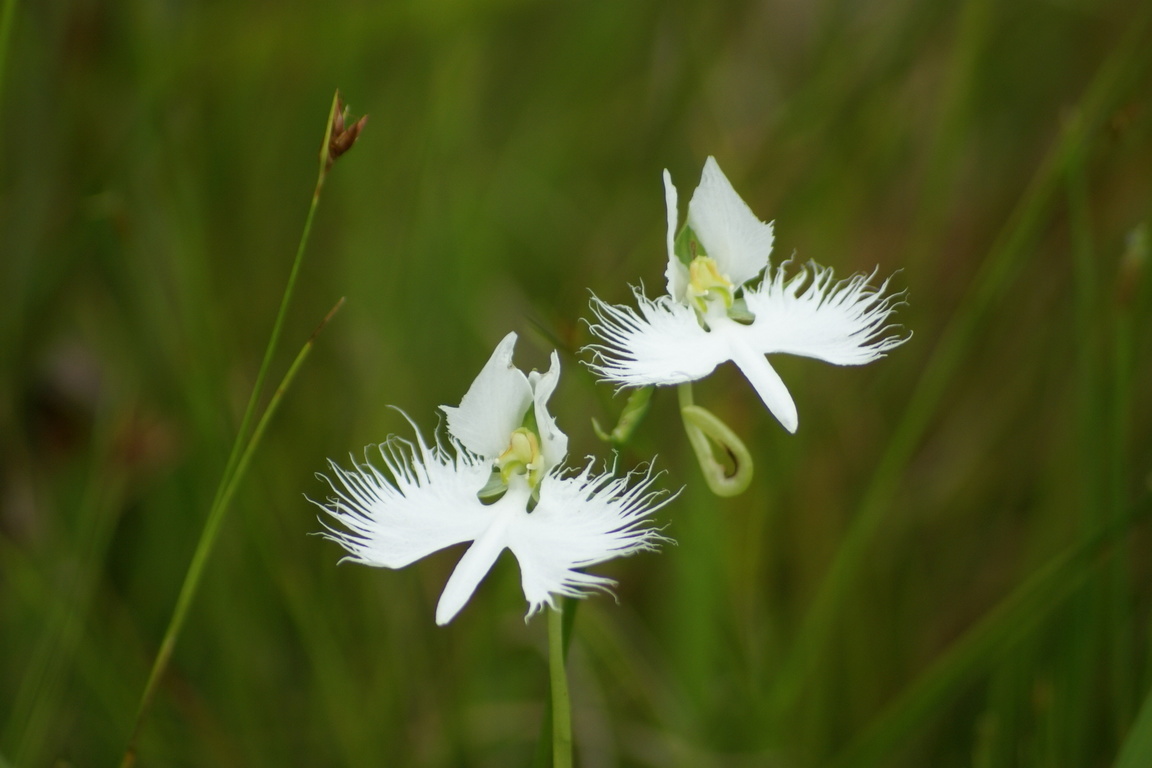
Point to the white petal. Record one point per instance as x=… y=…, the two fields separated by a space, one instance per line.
x=553 y=442
x=759 y=372
x=844 y=323
x=733 y=235
x=493 y=406
x=580 y=521
x=676 y=272
x=660 y=343
x=481 y=556
x=426 y=502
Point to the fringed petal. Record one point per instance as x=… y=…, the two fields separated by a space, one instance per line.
x=426 y=501
x=808 y=314
x=580 y=521
x=660 y=343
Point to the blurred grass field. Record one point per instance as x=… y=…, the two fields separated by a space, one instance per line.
x=949 y=565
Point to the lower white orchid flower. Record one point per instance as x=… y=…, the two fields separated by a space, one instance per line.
x=500 y=435
x=712 y=313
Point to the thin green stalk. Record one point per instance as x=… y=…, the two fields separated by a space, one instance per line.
x=242 y=449
x=1091 y=625
x=211 y=529
x=7 y=17
x=561 y=707
x=282 y=312
x=274 y=403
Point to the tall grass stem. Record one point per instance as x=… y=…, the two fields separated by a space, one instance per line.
x=240 y=455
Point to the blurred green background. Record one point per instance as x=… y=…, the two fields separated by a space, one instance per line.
x=946 y=566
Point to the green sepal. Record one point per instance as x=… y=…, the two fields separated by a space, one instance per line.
x=493 y=488
x=740 y=312
x=634 y=412
x=687 y=246
x=529 y=422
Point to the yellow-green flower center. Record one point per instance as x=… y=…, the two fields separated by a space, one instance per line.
x=522 y=456
x=707 y=284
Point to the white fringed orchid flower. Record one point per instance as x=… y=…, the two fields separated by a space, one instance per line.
x=502 y=440
x=713 y=313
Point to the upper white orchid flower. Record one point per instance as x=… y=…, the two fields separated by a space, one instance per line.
x=712 y=312
x=428 y=500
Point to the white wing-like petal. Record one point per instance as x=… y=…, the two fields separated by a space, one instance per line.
x=739 y=242
x=808 y=314
x=493 y=406
x=675 y=273
x=661 y=342
x=426 y=502
x=553 y=442
x=581 y=521
x=756 y=368
x=481 y=556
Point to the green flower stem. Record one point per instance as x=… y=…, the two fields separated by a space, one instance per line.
x=543 y=756
x=561 y=707
x=242 y=449
x=705 y=429
x=634 y=412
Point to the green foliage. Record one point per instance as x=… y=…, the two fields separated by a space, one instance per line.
x=949 y=563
